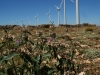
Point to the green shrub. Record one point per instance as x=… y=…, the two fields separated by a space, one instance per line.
x=91 y=53
x=89 y=29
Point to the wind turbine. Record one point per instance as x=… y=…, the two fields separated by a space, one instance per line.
x=36 y=17
x=13 y=23
x=48 y=14
x=17 y=22
x=22 y=21
x=58 y=8
x=28 y=21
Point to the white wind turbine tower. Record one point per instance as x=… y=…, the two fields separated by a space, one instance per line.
x=64 y=11
x=58 y=8
x=48 y=14
x=77 y=12
x=36 y=17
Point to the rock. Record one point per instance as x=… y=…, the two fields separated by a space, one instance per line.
x=87 y=61
x=84 y=46
x=81 y=73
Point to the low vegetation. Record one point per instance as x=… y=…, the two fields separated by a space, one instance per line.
x=49 y=51
x=89 y=29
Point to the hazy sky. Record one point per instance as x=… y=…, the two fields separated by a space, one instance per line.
x=13 y=10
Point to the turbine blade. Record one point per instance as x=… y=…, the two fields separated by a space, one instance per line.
x=49 y=9
x=72 y=0
x=56 y=7
x=61 y=3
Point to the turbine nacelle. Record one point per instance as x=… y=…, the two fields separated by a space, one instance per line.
x=57 y=8
x=48 y=14
x=36 y=17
